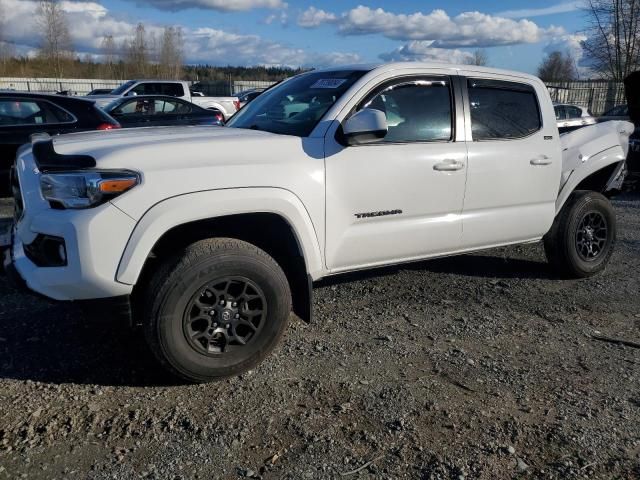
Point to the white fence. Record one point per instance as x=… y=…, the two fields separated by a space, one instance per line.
x=82 y=86
x=596 y=95
x=77 y=86
x=242 y=85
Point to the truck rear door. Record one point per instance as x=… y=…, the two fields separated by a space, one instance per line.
x=514 y=163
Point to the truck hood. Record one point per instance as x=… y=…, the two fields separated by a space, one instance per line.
x=156 y=148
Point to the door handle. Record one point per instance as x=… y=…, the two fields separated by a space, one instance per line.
x=448 y=165
x=541 y=160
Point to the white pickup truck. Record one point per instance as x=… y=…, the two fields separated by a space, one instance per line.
x=212 y=236
x=174 y=88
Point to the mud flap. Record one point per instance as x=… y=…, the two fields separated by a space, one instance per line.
x=303 y=298
x=617 y=178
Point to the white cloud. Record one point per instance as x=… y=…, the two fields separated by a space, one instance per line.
x=571 y=44
x=220 y=5
x=422 y=51
x=217 y=46
x=90 y=21
x=282 y=18
x=540 y=12
x=468 y=29
x=312 y=17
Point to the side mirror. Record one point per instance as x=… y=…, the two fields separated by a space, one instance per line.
x=366 y=126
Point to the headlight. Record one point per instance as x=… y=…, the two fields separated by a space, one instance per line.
x=86 y=189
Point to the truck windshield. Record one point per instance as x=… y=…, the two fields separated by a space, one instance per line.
x=123 y=88
x=296 y=106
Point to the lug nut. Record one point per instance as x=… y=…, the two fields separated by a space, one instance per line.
x=237 y=315
x=215 y=325
x=234 y=304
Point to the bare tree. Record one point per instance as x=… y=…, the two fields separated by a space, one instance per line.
x=558 y=66
x=613 y=43
x=56 y=47
x=171 y=55
x=138 y=53
x=110 y=55
x=479 y=58
x=6 y=48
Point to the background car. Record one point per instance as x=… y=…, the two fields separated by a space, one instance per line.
x=99 y=91
x=160 y=110
x=247 y=95
x=22 y=114
x=572 y=117
x=619 y=112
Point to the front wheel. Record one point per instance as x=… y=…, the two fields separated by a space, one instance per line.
x=580 y=242
x=216 y=310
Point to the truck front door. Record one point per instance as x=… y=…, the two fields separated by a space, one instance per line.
x=401 y=197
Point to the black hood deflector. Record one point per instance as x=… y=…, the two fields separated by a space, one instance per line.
x=48 y=160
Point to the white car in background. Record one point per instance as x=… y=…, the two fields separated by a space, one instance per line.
x=227 y=106
x=571 y=117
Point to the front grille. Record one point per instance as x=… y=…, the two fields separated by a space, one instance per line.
x=18 y=207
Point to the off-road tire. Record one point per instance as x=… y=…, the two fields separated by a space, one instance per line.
x=177 y=281
x=560 y=243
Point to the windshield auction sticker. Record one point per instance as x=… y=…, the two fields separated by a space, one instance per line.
x=329 y=83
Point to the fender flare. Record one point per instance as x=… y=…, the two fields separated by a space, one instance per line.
x=595 y=163
x=186 y=208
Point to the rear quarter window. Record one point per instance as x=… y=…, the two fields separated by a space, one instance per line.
x=502 y=110
x=574 y=112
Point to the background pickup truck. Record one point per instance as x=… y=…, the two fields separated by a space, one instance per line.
x=211 y=237
x=225 y=105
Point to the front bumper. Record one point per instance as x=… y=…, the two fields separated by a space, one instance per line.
x=94 y=240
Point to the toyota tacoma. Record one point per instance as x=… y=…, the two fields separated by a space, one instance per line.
x=210 y=238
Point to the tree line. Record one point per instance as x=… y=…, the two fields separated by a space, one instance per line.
x=611 y=50
x=145 y=54
x=612 y=46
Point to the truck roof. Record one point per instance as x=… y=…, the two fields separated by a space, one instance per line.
x=384 y=67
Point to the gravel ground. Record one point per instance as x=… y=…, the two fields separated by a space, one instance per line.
x=482 y=366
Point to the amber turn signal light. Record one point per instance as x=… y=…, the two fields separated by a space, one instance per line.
x=117 y=186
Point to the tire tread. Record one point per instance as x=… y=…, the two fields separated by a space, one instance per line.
x=168 y=273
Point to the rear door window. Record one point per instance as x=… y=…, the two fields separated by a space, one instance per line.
x=19 y=112
x=171 y=107
x=172 y=89
x=502 y=110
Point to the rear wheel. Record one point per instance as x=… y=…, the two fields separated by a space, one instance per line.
x=580 y=242
x=216 y=310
